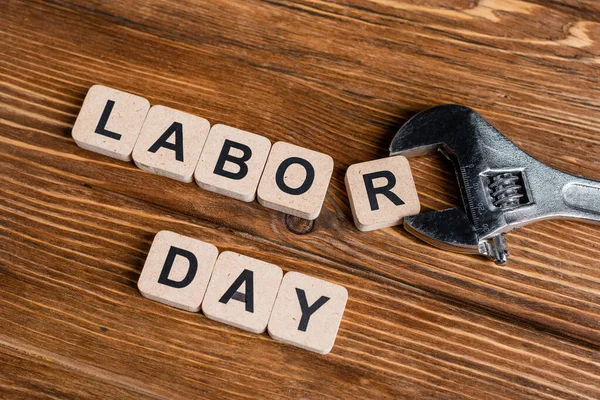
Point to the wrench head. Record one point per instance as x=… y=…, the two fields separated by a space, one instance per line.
x=480 y=155
x=502 y=187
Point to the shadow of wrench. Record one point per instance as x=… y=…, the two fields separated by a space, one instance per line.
x=502 y=187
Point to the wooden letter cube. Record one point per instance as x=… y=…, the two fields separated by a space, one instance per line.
x=232 y=162
x=382 y=192
x=307 y=312
x=242 y=291
x=177 y=270
x=110 y=121
x=170 y=143
x=295 y=180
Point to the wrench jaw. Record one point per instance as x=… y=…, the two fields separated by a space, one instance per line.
x=429 y=130
x=451 y=230
x=448 y=229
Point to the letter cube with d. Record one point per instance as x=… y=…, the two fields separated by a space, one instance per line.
x=232 y=162
x=177 y=270
x=382 y=192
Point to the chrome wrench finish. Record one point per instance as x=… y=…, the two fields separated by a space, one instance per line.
x=503 y=188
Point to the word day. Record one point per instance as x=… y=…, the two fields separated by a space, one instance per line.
x=242 y=291
x=237 y=163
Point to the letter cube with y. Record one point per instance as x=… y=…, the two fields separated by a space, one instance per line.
x=382 y=192
x=242 y=291
x=110 y=121
x=295 y=180
x=177 y=270
x=307 y=312
x=170 y=143
x=232 y=162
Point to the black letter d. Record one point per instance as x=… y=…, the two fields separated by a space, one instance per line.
x=192 y=269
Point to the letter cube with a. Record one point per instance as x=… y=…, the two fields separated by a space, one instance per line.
x=177 y=270
x=170 y=143
x=242 y=291
x=307 y=312
x=110 y=121
x=232 y=162
x=382 y=192
x=295 y=180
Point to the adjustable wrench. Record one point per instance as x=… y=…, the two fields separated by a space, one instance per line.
x=502 y=187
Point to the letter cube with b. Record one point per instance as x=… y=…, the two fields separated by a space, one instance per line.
x=232 y=162
x=242 y=291
x=170 y=143
x=295 y=180
x=177 y=270
x=307 y=312
x=110 y=121
x=382 y=192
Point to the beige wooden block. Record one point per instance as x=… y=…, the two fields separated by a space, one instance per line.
x=232 y=162
x=382 y=192
x=242 y=291
x=170 y=143
x=110 y=121
x=307 y=312
x=295 y=180
x=177 y=270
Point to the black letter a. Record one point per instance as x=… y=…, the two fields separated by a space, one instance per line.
x=177 y=129
x=246 y=277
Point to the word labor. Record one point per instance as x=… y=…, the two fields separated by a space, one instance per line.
x=236 y=163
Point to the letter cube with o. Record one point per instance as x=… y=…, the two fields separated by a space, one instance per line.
x=232 y=162
x=177 y=270
x=242 y=291
x=307 y=312
x=110 y=121
x=170 y=143
x=382 y=192
x=295 y=180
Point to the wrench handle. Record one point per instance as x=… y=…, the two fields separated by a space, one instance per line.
x=583 y=195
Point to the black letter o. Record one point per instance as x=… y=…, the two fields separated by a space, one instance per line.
x=308 y=181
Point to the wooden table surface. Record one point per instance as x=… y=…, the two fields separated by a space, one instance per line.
x=337 y=77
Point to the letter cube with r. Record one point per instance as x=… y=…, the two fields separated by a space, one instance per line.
x=382 y=192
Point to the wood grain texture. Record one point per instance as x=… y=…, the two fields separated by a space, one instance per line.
x=338 y=77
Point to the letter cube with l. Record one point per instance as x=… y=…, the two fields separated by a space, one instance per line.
x=242 y=291
x=295 y=180
x=110 y=121
x=177 y=270
x=170 y=143
x=382 y=192
x=232 y=162
x=307 y=312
